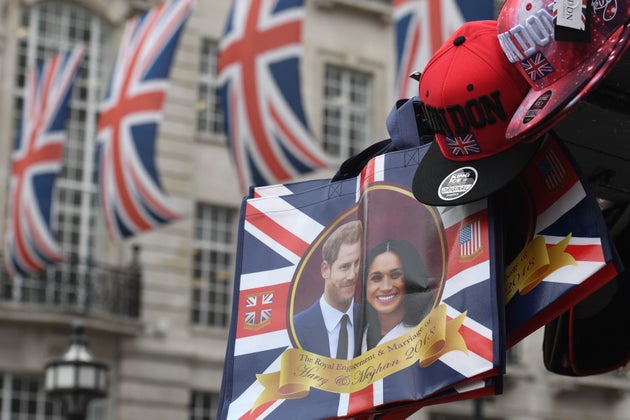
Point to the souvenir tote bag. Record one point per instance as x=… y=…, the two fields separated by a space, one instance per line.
x=556 y=245
x=278 y=361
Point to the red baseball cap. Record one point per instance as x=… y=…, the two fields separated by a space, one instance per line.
x=469 y=92
x=559 y=73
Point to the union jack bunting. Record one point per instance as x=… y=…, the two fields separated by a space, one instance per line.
x=259 y=62
x=564 y=249
x=537 y=66
x=281 y=232
x=422 y=26
x=29 y=244
x=131 y=194
x=463 y=146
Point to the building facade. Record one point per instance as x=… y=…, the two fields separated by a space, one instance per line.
x=156 y=308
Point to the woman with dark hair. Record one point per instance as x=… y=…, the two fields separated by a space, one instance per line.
x=396 y=292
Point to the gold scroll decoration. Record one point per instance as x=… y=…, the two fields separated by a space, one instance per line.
x=301 y=370
x=533 y=264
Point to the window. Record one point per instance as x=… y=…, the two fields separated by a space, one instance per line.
x=214 y=253
x=346 y=119
x=46 y=29
x=209 y=112
x=23 y=397
x=203 y=405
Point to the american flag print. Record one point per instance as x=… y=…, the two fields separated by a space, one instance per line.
x=552 y=171
x=537 y=66
x=566 y=215
x=277 y=243
x=259 y=61
x=470 y=239
x=259 y=310
x=29 y=244
x=421 y=26
x=131 y=194
x=463 y=146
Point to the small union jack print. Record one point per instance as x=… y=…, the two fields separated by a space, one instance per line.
x=537 y=66
x=463 y=146
x=131 y=194
x=258 y=310
x=36 y=160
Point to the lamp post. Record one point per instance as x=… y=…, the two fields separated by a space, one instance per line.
x=76 y=378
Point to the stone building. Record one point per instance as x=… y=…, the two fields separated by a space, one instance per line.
x=156 y=308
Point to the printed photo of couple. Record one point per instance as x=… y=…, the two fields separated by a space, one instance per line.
x=371 y=279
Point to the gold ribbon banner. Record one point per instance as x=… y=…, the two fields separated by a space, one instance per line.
x=301 y=370
x=533 y=264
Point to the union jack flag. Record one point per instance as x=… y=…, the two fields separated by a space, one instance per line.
x=421 y=27
x=259 y=61
x=278 y=234
x=463 y=146
x=131 y=194
x=36 y=161
x=537 y=66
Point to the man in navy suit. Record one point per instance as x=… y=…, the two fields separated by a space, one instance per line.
x=318 y=327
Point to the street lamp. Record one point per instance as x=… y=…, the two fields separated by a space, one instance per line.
x=76 y=378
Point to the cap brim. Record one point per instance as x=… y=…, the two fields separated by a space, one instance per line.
x=541 y=109
x=492 y=173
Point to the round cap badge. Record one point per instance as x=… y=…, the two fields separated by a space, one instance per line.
x=458 y=183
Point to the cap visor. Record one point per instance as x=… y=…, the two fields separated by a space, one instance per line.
x=493 y=173
x=538 y=113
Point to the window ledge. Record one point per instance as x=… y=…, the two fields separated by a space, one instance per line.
x=371 y=7
x=33 y=314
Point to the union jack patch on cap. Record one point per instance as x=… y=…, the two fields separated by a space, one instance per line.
x=537 y=66
x=463 y=145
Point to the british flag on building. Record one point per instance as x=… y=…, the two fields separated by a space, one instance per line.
x=279 y=236
x=259 y=62
x=36 y=160
x=131 y=194
x=422 y=26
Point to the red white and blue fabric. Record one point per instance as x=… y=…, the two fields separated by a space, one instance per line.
x=421 y=28
x=29 y=244
x=259 y=62
x=276 y=232
x=131 y=194
x=562 y=206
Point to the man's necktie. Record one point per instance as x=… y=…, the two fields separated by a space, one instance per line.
x=342 y=344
